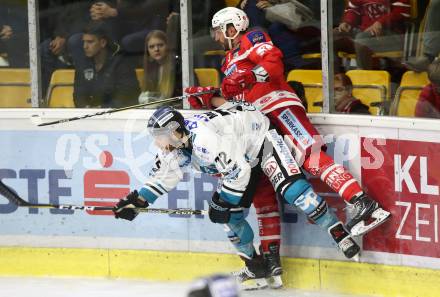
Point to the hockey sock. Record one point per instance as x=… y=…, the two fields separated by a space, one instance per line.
x=334 y=175
x=268 y=216
x=240 y=234
x=270 y=229
x=302 y=196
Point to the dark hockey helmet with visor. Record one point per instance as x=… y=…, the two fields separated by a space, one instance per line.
x=164 y=122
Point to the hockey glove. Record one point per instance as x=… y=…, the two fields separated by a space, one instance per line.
x=200 y=101
x=238 y=82
x=124 y=209
x=219 y=210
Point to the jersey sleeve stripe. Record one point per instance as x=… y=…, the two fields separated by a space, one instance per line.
x=235 y=191
x=155 y=189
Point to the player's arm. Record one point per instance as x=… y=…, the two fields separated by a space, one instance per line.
x=268 y=67
x=269 y=63
x=163 y=177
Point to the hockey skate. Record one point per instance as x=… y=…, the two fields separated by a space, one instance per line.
x=344 y=240
x=252 y=275
x=368 y=215
x=273 y=266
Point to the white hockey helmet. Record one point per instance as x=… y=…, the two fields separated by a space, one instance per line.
x=233 y=16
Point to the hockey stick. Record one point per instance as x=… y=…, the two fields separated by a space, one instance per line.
x=173 y=99
x=17 y=200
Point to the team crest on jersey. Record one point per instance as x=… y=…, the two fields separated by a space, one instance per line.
x=256 y=37
x=89 y=73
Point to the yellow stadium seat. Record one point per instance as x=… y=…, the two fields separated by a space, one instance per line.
x=215 y=53
x=405 y=100
x=208 y=77
x=140 y=77
x=372 y=87
x=60 y=92
x=15 y=87
x=312 y=81
x=232 y=2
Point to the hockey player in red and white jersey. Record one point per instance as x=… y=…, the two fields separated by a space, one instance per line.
x=255 y=73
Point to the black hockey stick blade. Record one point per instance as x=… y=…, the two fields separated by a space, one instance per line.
x=11 y=195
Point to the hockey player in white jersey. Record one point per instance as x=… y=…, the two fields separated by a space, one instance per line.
x=233 y=145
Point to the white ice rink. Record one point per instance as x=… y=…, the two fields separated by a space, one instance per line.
x=76 y=287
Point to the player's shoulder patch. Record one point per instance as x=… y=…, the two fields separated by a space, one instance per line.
x=256 y=36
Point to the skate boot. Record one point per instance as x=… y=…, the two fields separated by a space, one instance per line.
x=341 y=236
x=368 y=215
x=252 y=276
x=273 y=266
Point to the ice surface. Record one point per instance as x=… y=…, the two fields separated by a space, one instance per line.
x=91 y=287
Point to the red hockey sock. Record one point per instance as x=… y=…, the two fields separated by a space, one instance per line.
x=268 y=215
x=270 y=229
x=334 y=175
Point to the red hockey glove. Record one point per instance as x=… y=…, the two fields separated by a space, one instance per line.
x=200 y=101
x=237 y=82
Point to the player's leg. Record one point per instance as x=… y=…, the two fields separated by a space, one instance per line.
x=287 y=179
x=306 y=142
x=269 y=225
x=241 y=235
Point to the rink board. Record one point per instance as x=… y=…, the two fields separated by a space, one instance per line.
x=97 y=161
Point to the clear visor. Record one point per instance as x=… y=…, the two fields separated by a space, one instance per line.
x=216 y=33
x=165 y=138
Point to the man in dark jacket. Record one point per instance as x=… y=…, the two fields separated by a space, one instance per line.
x=61 y=25
x=14 y=32
x=105 y=80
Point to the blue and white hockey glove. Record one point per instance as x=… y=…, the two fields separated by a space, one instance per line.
x=125 y=208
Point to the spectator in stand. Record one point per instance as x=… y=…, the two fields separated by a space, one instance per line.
x=135 y=19
x=431 y=39
x=14 y=33
x=162 y=71
x=428 y=105
x=106 y=80
x=345 y=102
x=63 y=21
x=370 y=26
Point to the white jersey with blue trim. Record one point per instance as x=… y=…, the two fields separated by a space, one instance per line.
x=224 y=143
